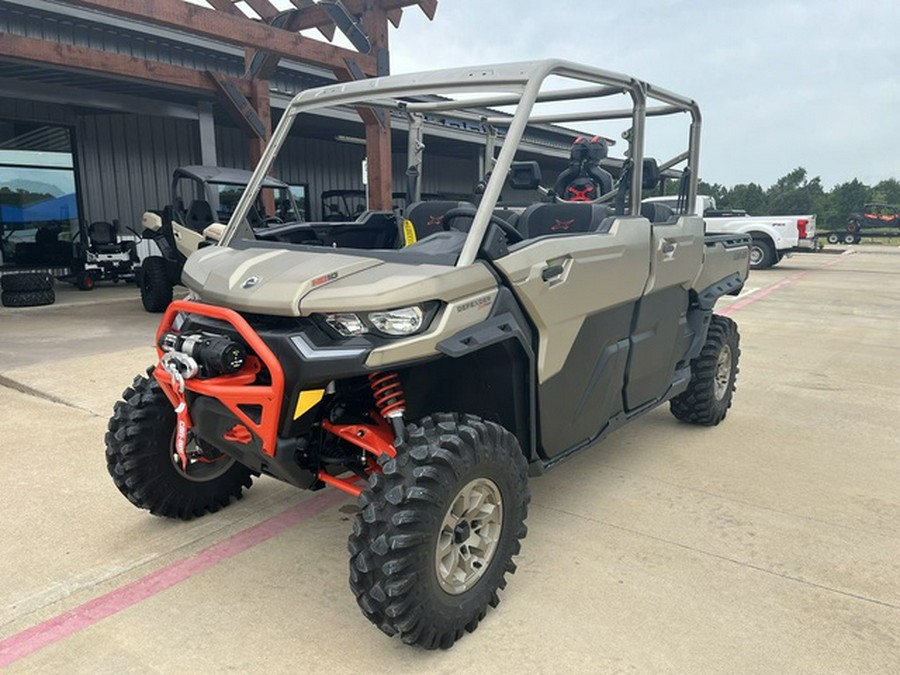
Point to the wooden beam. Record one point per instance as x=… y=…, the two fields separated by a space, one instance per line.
x=378 y=126
x=105 y=63
x=226 y=6
x=326 y=29
x=239 y=107
x=259 y=98
x=243 y=32
x=263 y=8
x=429 y=7
x=316 y=16
x=394 y=16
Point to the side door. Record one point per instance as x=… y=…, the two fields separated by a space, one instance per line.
x=661 y=335
x=580 y=292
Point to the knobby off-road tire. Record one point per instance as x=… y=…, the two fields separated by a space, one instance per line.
x=28 y=298
x=713 y=374
x=762 y=254
x=141 y=459
x=156 y=289
x=20 y=283
x=448 y=466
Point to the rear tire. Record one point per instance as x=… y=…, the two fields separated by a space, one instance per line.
x=437 y=530
x=850 y=238
x=140 y=458
x=762 y=254
x=156 y=289
x=713 y=374
x=834 y=238
x=28 y=298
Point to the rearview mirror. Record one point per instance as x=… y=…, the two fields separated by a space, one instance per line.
x=524 y=175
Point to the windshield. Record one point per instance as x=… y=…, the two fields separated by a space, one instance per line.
x=271 y=204
x=513 y=128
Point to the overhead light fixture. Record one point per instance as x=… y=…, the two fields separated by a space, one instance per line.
x=350 y=139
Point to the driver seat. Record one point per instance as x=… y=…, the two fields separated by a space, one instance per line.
x=427 y=218
x=199 y=215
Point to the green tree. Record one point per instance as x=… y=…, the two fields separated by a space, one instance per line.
x=750 y=197
x=846 y=198
x=886 y=192
x=793 y=194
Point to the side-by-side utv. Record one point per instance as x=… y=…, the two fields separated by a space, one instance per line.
x=428 y=364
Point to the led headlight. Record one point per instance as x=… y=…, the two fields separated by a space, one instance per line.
x=403 y=321
x=346 y=324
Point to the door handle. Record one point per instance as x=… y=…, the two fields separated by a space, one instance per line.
x=552 y=272
x=668 y=247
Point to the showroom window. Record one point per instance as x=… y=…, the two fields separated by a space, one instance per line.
x=38 y=197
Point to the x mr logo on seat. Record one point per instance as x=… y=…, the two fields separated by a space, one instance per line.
x=562 y=225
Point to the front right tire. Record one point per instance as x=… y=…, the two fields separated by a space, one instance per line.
x=438 y=529
x=140 y=457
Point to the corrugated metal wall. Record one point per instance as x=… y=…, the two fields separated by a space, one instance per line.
x=37 y=111
x=126 y=163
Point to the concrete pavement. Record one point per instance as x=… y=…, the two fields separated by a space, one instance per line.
x=770 y=543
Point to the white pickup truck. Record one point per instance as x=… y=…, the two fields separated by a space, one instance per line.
x=773 y=236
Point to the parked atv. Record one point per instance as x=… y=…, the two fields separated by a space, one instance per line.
x=211 y=194
x=874 y=215
x=429 y=379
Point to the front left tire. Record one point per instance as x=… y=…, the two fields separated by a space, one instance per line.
x=438 y=529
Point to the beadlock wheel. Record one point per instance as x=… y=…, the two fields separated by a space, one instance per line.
x=723 y=372
x=469 y=536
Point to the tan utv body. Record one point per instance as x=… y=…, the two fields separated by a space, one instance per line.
x=428 y=362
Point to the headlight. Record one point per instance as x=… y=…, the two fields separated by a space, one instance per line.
x=388 y=323
x=346 y=324
x=403 y=321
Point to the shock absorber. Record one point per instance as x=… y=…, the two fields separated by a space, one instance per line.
x=389 y=398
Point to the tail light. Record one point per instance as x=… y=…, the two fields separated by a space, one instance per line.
x=801 y=227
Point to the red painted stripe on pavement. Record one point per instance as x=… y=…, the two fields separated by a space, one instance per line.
x=759 y=295
x=53 y=630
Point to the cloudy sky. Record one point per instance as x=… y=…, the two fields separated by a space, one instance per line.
x=812 y=83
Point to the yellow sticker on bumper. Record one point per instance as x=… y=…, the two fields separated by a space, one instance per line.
x=409 y=233
x=307 y=400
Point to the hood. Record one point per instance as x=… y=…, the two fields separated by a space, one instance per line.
x=265 y=281
x=285 y=282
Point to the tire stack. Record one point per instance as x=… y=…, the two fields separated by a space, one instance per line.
x=27 y=290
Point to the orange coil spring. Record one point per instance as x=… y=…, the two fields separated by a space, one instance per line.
x=388 y=392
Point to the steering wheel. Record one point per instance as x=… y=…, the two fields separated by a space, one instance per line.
x=271 y=220
x=512 y=234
